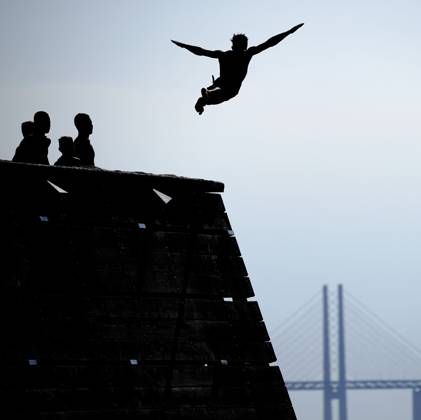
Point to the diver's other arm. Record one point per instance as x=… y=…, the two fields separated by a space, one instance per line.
x=271 y=42
x=198 y=50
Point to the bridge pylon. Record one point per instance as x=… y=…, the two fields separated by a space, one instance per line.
x=416 y=404
x=334 y=390
x=334 y=383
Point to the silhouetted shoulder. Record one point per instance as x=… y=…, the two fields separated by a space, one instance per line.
x=45 y=141
x=84 y=151
x=24 y=151
x=68 y=161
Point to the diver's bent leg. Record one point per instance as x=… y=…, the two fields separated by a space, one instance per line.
x=216 y=84
x=218 y=96
x=213 y=97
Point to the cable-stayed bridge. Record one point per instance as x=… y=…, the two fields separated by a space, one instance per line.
x=334 y=343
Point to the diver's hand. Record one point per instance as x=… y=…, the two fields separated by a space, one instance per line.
x=179 y=44
x=292 y=30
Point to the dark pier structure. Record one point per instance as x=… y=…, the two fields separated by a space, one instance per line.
x=124 y=296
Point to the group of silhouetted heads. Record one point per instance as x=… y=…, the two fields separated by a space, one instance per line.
x=34 y=146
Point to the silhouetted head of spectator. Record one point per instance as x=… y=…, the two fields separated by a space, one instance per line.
x=239 y=42
x=65 y=145
x=27 y=128
x=83 y=124
x=41 y=122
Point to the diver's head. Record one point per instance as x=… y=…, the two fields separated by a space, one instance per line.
x=239 y=42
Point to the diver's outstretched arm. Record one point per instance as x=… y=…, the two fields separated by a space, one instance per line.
x=271 y=42
x=198 y=50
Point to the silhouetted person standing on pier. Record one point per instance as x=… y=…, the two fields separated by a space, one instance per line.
x=83 y=148
x=27 y=128
x=23 y=152
x=233 y=66
x=42 y=125
x=34 y=146
x=67 y=150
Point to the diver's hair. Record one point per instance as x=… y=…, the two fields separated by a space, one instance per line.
x=239 y=39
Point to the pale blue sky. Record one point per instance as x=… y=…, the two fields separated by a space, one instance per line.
x=320 y=152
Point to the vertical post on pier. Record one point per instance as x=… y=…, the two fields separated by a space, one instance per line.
x=416 y=404
x=341 y=357
x=327 y=385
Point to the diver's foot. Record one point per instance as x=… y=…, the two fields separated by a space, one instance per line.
x=204 y=93
x=199 y=107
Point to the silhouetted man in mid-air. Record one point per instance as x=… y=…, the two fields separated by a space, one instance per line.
x=34 y=146
x=67 y=150
x=233 y=67
x=83 y=148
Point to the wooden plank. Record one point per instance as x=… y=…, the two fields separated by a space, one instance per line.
x=236 y=331
x=95 y=352
x=122 y=346
x=84 y=313
x=116 y=243
x=205 y=309
x=275 y=411
x=124 y=243
x=84 y=399
x=224 y=286
x=196 y=265
x=152 y=351
x=204 y=244
x=125 y=386
x=95 y=179
x=65 y=326
x=198 y=212
x=185 y=212
x=260 y=376
x=144 y=414
x=122 y=278
x=231 y=352
x=63 y=331
x=148 y=308
x=82 y=376
x=153 y=282
x=129 y=397
x=106 y=398
x=186 y=413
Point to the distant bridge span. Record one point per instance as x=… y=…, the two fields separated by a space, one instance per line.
x=374 y=384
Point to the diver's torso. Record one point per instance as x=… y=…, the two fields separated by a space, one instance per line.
x=233 y=67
